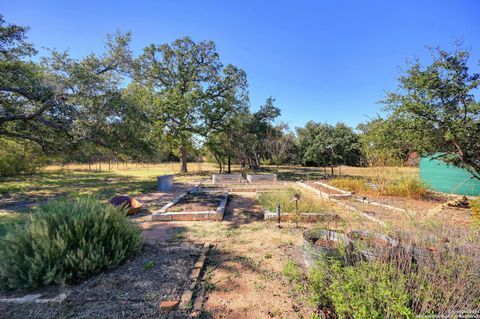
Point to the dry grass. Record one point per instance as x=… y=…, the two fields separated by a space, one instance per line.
x=404 y=186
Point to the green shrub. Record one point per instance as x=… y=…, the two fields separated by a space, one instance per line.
x=66 y=240
x=17 y=158
x=291 y=271
x=366 y=290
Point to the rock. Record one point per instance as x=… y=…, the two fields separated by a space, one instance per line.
x=168 y=305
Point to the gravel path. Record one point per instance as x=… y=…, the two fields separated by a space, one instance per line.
x=129 y=291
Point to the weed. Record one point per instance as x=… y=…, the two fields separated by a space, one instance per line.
x=149 y=265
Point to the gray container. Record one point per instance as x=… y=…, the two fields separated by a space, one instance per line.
x=165 y=183
x=312 y=253
x=370 y=244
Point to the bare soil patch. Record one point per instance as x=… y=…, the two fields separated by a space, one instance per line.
x=197 y=202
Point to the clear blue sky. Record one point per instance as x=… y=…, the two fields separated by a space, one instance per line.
x=325 y=61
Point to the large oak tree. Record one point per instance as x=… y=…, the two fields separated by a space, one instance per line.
x=192 y=91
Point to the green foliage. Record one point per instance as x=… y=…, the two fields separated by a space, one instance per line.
x=191 y=91
x=327 y=145
x=66 y=240
x=17 y=158
x=383 y=142
x=308 y=203
x=291 y=271
x=366 y=290
x=149 y=265
x=437 y=109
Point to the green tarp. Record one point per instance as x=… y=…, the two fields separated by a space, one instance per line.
x=442 y=177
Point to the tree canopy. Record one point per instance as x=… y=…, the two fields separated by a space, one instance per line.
x=437 y=109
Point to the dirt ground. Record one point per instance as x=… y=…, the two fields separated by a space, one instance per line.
x=244 y=276
x=131 y=290
x=197 y=202
x=245 y=269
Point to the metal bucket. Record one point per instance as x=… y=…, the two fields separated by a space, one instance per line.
x=313 y=252
x=164 y=183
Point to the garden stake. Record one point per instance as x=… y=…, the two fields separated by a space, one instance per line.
x=278 y=214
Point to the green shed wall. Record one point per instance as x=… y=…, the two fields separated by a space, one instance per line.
x=442 y=177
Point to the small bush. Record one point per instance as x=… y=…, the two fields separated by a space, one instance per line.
x=404 y=281
x=17 y=158
x=291 y=271
x=366 y=290
x=66 y=240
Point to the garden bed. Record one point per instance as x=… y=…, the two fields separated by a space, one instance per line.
x=132 y=290
x=329 y=190
x=194 y=205
x=310 y=207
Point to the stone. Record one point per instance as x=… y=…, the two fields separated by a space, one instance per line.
x=200 y=262
x=195 y=273
x=168 y=305
x=186 y=298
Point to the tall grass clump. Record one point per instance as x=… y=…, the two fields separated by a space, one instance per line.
x=475 y=205
x=406 y=186
x=65 y=241
x=308 y=203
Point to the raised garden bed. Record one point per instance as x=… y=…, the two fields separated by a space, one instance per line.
x=194 y=205
x=310 y=208
x=226 y=178
x=262 y=178
x=330 y=191
x=323 y=244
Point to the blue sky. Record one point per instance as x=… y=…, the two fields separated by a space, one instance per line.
x=325 y=61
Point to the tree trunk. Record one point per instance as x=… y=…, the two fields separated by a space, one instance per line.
x=229 y=165
x=219 y=163
x=183 y=160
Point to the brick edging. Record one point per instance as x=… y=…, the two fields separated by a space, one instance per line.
x=187 y=296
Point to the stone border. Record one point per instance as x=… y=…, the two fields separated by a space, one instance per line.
x=216 y=215
x=187 y=296
x=262 y=178
x=371 y=202
x=245 y=187
x=35 y=298
x=304 y=217
x=336 y=201
x=342 y=192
